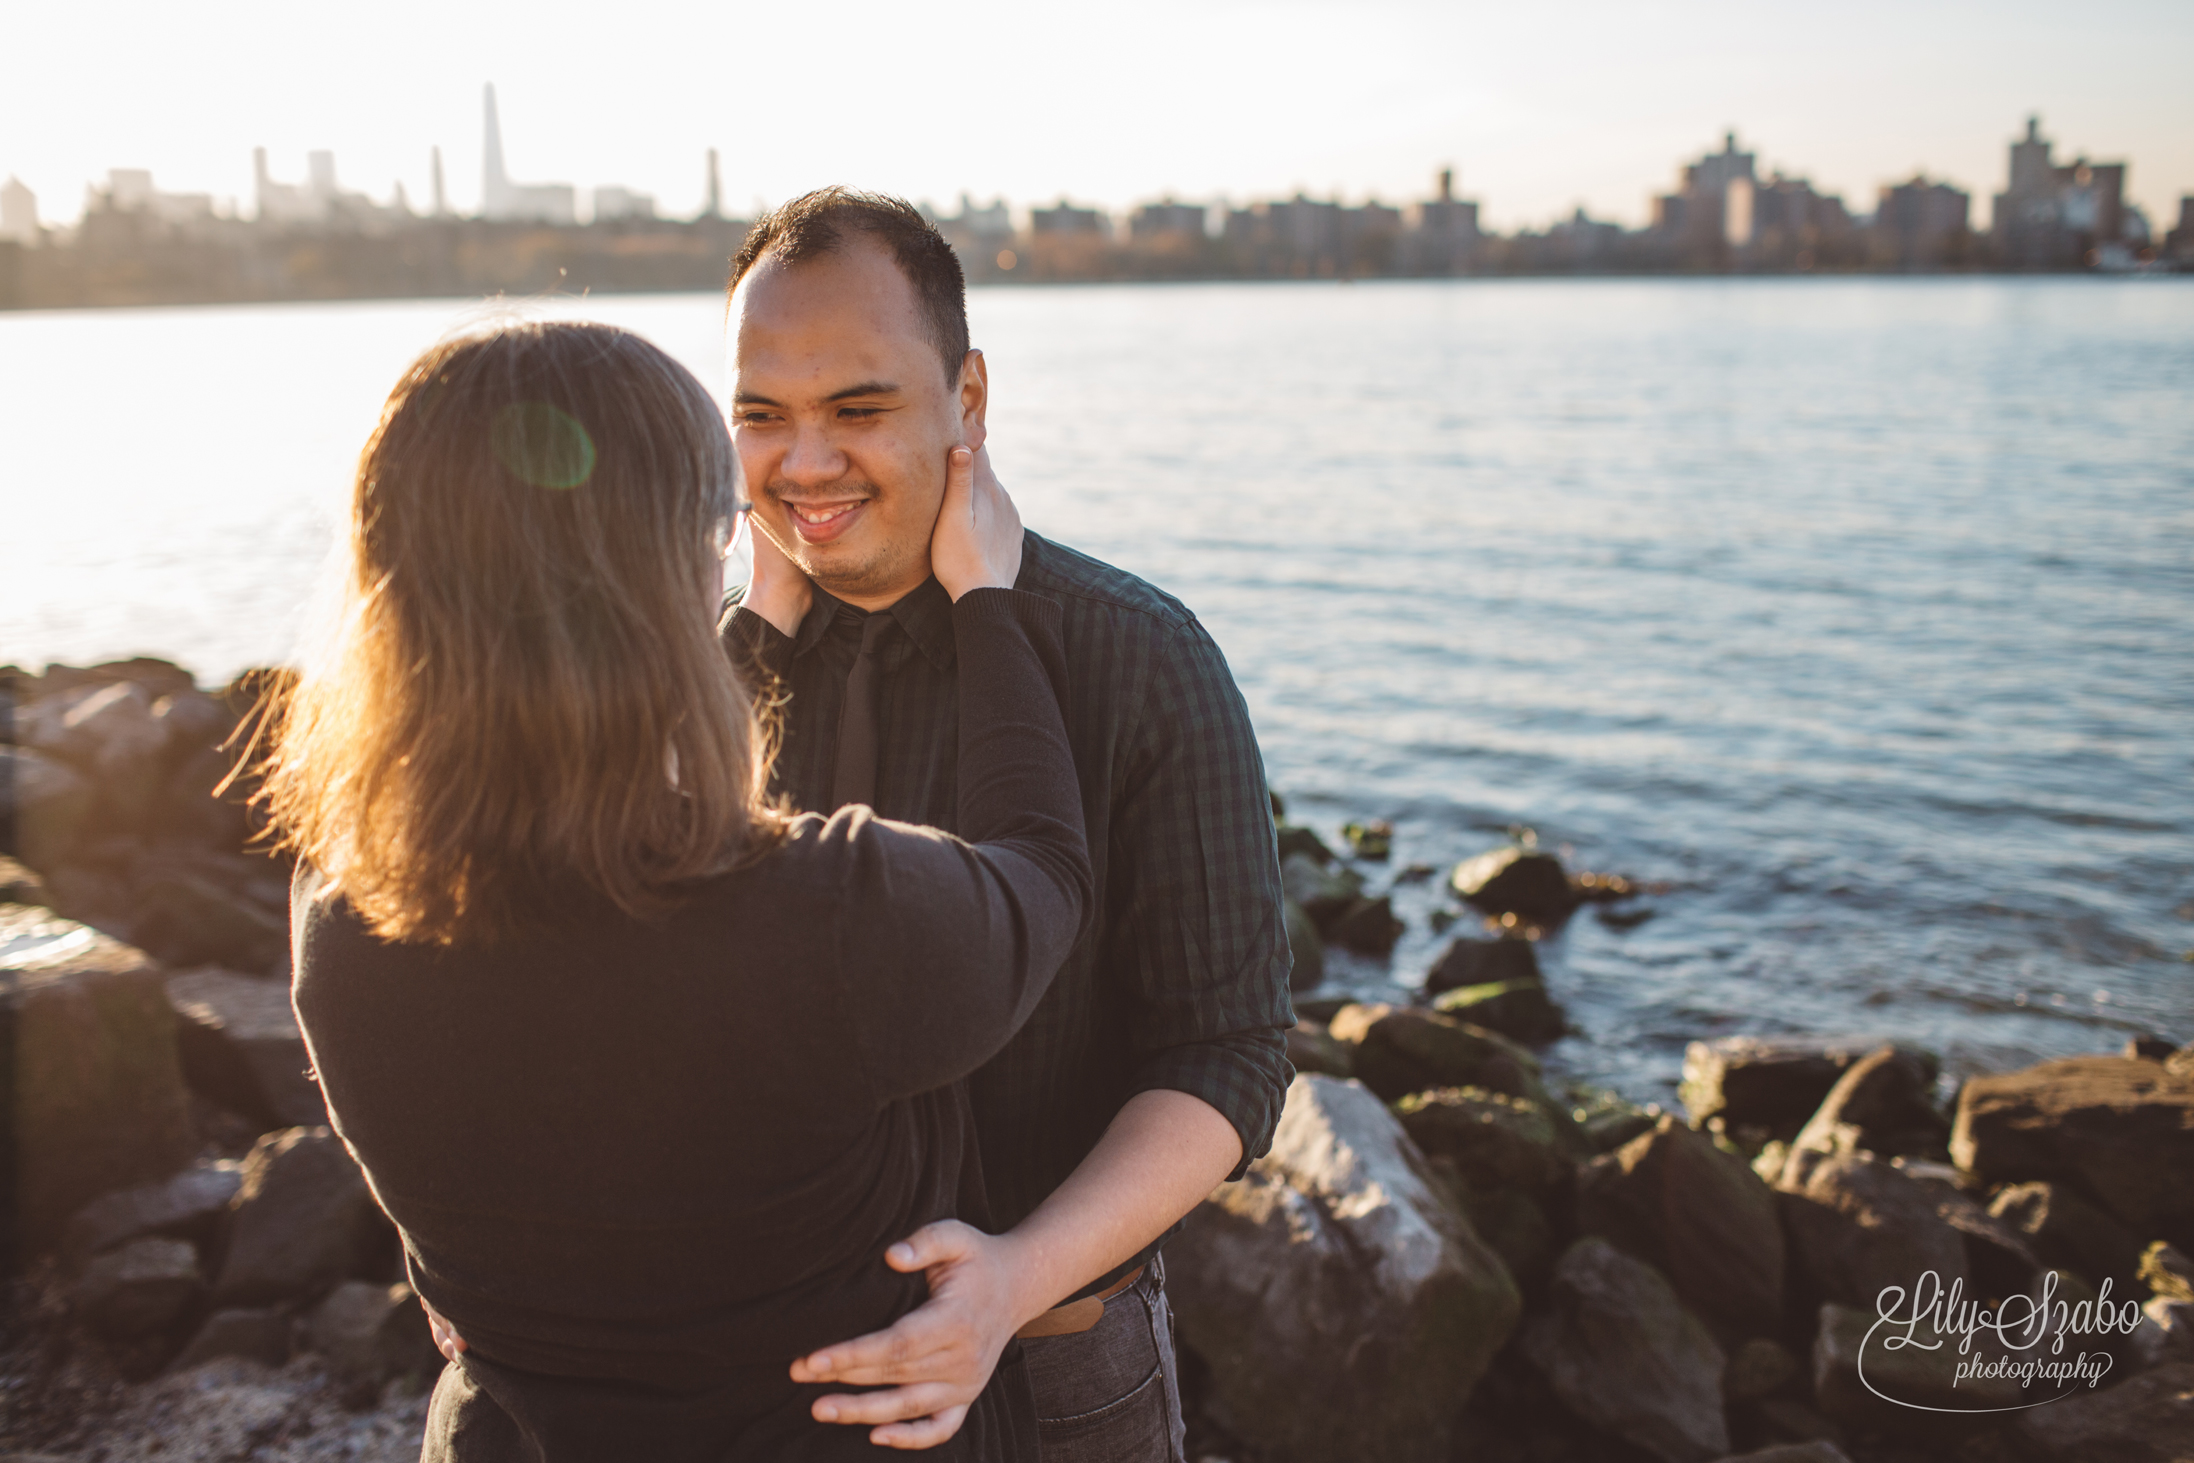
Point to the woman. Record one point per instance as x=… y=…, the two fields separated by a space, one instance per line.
x=647 y=1073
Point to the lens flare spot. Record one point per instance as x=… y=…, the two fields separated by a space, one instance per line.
x=542 y=445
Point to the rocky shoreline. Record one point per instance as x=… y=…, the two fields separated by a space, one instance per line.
x=1446 y=1254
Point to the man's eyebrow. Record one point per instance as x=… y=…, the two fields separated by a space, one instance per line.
x=864 y=388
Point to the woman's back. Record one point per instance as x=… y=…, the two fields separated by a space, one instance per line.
x=654 y=1160
x=676 y=1117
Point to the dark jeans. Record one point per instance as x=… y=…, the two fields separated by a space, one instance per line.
x=1112 y=1394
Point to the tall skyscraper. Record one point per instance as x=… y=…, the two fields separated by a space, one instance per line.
x=500 y=198
x=2053 y=215
x=715 y=207
x=441 y=195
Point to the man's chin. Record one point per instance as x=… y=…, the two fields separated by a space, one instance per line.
x=841 y=569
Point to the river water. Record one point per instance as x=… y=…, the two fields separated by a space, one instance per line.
x=1856 y=613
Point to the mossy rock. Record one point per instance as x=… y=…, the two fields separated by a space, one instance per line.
x=1518 y=1008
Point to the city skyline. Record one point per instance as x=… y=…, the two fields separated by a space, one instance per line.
x=1206 y=102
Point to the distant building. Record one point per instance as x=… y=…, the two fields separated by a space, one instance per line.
x=1710 y=217
x=130 y=191
x=2179 y=243
x=1065 y=242
x=441 y=193
x=1443 y=237
x=501 y=199
x=982 y=237
x=1921 y=225
x=1171 y=240
x=714 y=206
x=611 y=202
x=1167 y=220
x=320 y=201
x=1584 y=243
x=1787 y=225
x=2056 y=216
x=283 y=203
x=1370 y=234
x=1066 y=219
x=18 y=211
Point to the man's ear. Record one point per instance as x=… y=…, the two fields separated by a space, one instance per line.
x=974 y=400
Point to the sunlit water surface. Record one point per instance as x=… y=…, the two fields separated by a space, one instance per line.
x=1857 y=612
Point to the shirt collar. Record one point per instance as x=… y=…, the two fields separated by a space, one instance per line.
x=925 y=613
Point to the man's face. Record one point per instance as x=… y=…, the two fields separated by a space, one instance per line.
x=843 y=418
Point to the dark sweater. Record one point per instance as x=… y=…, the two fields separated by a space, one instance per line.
x=643 y=1165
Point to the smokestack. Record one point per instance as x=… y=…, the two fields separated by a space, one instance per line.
x=493 y=179
x=1447 y=185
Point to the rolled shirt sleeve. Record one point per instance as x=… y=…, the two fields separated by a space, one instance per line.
x=1199 y=884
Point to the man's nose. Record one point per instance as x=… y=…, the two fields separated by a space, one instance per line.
x=813 y=460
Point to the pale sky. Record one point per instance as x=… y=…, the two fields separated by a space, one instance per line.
x=1538 y=108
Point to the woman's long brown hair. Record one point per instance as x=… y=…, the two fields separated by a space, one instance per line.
x=526 y=689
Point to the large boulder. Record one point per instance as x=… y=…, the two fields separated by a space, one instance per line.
x=1758 y=1368
x=266 y=1334
x=50 y=805
x=2064 y=1229
x=2166 y=1333
x=2120 y=1130
x=1884 y=1100
x=1468 y=962
x=1774 y=1082
x=189 y=1206
x=1400 y=1049
x=158 y=677
x=370 y=1333
x=190 y=919
x=108 y=731
x=19 y=883
x=1698 y=1215
x=1323 y=892
x=1620 y=1351
x=1367 y=926
x=1857 y=1224
x=241 y=1047
x=1333 y=899
x=2167 y=1272
x=1998 y=1257
x=1871 y=1376
x=1521 y=1009
x=303 y=1221
x=1311 y=1048
x=2149 y=1419
x=142 y=1286
x=1344 y=1308
x=1495 y=1141
x=96 y=1101
x=1516 y=880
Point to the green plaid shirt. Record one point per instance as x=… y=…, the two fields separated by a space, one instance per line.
x=1182 y=981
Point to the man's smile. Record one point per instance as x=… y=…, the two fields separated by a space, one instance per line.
x=821 y=523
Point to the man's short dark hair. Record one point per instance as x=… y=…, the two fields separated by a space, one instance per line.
x=816 y=224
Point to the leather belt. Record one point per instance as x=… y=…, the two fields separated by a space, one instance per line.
x=1077 y=1315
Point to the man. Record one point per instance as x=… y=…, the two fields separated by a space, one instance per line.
x=1155 y=1067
